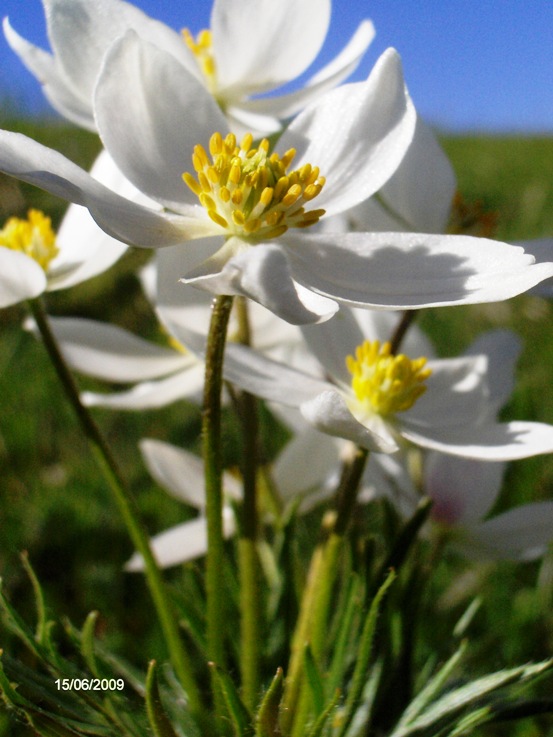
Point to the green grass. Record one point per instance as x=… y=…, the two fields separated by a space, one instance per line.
x=54 y=504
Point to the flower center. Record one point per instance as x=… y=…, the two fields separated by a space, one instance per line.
x=383 y=383
x=34 y=237
x=249 y=192
x=202 y=48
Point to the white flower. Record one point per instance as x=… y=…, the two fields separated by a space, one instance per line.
x=33 y=259
x=377 y=400
x=340 y=161
x=181 y=474
x=250 y=49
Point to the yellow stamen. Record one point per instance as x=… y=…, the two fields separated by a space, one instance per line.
x=251 y=191
x=33 y=237
x=202 y=48
x=383 y=383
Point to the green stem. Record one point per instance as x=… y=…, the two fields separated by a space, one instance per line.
x=126 y=506
x=249 y=570
x=213 y=463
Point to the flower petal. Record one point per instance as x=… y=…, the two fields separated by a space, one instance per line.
x=407 y=270
x=185 y=384
x=127 y=221
x=269 y=379
x=262 y=273
x=522 y=533
x=111 y=353
x=182 y=543
x=340 y=68
x=419 y=194
x=329 y=413
x=151 y=135
x=178 y=472
x=259 y=49
x=462 y=490
x=359 y=149
x=20 y=277
x=508 y=441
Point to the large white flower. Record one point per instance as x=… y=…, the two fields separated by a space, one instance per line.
x=181 y=474
x=378 y=400
x=347 y=145
x=250 y=49
x=33 y=259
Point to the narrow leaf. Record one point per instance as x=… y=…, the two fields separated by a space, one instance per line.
x=240 y=716
x=157 y=717
x=267 y=722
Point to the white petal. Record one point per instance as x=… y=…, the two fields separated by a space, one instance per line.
x=501 y=349
x=262 y=48
x=359 y=149
x=542 y=250
x=111 y=353
x=522 y=533
x=294 y=477
x=462 y=490
x=418 y=197
x=81 y=32
x=62 y=95
x=341 y=67
x=329 y=413
x=127 y=221
x=457 y=395
x=20 y=277
x=185 y=384
x=407 y=270
x=151 y=113
x=181 y=473
x=262 y=273
x=508 y=441
x=175 y=470
x=182 y=543
x=269 y=379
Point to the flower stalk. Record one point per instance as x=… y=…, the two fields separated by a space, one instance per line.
x=212 y=454
x=126 y=506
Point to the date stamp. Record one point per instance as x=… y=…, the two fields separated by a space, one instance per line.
x=89 y=684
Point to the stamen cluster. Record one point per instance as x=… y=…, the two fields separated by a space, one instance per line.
x=202 y=48
x=33 y=237
x=248 y=191
x=383 y=383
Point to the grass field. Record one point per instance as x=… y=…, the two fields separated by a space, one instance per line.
x=52 y=501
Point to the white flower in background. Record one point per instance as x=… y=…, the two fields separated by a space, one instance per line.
x=33 y=259
x=378 y=400
x=181 y=474
x=251 y=227
x=249 y=50
x=162 y=374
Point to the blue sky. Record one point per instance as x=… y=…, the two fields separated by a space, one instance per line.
x=470 y=65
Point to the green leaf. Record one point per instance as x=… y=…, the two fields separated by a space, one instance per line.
x=267 y=718
x=241 y=718
x=157 y=717
x=364 y=653
x=314 y=680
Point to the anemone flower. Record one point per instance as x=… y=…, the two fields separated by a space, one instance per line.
x=251 y=212
x=283 y=39
x=34 y=259
x=383 y=402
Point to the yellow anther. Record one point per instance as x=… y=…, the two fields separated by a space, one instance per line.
x=383 y=383
x=250 y=190
x=34 y=237
x=202 y=48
